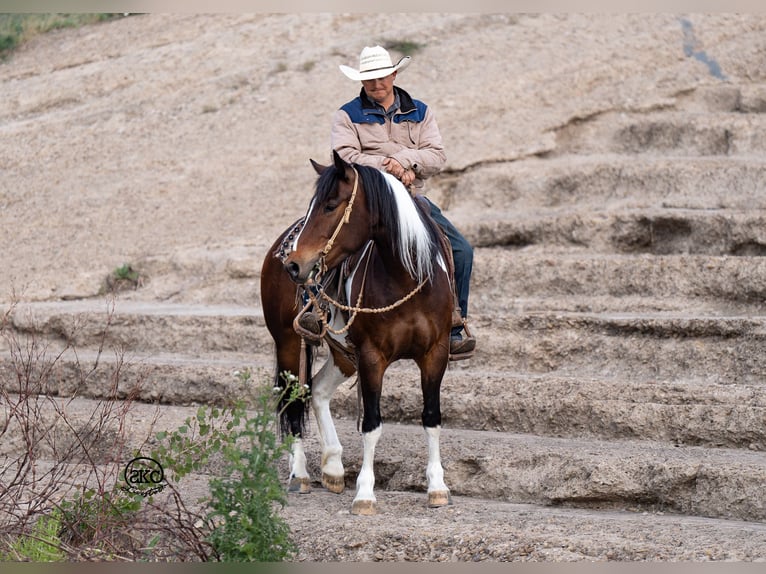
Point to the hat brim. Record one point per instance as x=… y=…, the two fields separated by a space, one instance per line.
x=356 y=75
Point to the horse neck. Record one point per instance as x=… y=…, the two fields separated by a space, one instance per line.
x=393 y=266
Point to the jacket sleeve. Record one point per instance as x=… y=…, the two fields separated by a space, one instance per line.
x=428 y=158
x=345 y=139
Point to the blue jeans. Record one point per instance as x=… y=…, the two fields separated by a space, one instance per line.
x=462 y=253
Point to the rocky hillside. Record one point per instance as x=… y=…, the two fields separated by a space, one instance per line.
x=609 y=171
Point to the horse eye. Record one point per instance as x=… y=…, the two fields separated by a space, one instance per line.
x=330 y=207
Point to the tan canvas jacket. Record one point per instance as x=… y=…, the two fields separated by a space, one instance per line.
x=363 y=134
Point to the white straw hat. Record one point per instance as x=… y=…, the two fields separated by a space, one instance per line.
x=374 y=62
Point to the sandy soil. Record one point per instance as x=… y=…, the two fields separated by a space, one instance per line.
x=180 y=144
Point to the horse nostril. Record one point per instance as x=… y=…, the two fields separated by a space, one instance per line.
x=293 y=269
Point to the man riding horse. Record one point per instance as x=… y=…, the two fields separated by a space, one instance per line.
x=385 y=128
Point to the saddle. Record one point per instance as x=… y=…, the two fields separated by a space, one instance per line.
x=446 y=249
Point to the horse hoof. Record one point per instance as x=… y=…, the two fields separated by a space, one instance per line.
x=439 y=498
x=334 y=484
x=364 y=508
x=299 y=485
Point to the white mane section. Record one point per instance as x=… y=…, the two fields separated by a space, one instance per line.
x=414 y=243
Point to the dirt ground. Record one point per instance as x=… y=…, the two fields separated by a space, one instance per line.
x=180 y=144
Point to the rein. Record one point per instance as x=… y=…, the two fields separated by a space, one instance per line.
x=354 y=310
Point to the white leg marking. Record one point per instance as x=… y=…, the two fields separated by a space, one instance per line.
x=298 y=460
x=365 y=482
x=438 y=493
x=325 y=383
x=299 y=476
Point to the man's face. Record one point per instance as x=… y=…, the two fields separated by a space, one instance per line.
x=380 y=90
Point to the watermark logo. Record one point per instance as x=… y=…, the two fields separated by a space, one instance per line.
x=144 y=476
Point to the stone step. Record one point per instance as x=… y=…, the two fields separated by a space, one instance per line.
x=593 y=496
x=550 y=273
x=641 y=346
x=610 y=181
x=679 y=133
x=517 y=468
x=477 y=529
x=651 y=231
x=474 y=395
x=726 y=483
x=154 y=378
x=662 y=346
x=677 y=412
x=146 y=327
x=541 y=277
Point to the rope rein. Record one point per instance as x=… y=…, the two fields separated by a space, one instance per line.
x=358 y=309
x=354 y=310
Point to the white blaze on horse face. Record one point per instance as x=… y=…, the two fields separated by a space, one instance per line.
x=308 y=216
x=365 y=482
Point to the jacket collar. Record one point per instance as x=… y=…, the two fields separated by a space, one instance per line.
x=406 y=105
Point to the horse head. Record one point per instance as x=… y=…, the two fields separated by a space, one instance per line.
x=335 y=226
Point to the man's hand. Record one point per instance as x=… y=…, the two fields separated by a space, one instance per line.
x=407 y=176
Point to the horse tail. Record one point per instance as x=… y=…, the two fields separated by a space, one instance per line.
x=294 y=402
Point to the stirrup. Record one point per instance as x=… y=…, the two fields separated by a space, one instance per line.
x=468 y=354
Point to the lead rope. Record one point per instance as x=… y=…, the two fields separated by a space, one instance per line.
x=358 y=405
x=346 y=327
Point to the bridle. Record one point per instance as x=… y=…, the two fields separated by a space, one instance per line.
x=343 y=220
x=354 y=310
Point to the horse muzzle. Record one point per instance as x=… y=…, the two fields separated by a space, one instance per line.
x=304 y=274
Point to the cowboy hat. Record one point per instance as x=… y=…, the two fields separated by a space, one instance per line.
x=374 y=62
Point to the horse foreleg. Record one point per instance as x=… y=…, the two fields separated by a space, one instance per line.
x=365 y=501
x=438 y=493
x=326 y=382
x=370 y=381
x=432 y=372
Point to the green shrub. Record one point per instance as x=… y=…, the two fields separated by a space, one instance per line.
x=244 y=502
x=406 y=47
x=17 y=28
x=242 y=513
x=42 y=544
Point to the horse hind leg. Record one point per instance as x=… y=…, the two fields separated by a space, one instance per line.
x=293 y=415
x=300 y=481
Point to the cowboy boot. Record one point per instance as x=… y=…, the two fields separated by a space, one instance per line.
x=461 y=347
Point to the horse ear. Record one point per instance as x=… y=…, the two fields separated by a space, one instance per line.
x=340 y=164
x=319 y=168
